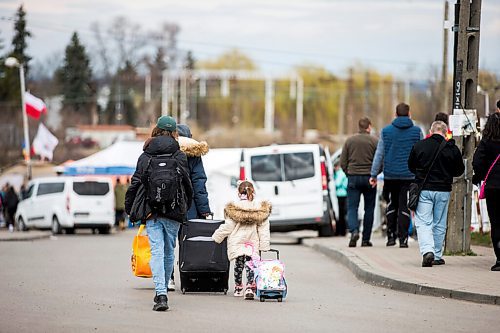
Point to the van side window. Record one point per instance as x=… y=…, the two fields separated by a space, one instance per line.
x=266 y=168
x=49 y=188
x=91 y=188
x=298 y=166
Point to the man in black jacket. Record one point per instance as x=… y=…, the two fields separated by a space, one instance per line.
x=162 y=225
x=432 y=209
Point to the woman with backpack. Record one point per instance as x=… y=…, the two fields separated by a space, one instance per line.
x=163 y=171
x=486 y=164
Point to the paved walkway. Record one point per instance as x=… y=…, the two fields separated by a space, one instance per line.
x=30 y=235
x=462 y=277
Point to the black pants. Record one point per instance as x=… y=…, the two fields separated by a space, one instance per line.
x=341 y=225
x=397 y=212
x=493 y=204
x=239 y=265
x=119 y=216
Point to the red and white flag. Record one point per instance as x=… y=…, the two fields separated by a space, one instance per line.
x=34 y=105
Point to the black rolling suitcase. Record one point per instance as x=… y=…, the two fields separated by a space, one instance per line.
x=203 y=264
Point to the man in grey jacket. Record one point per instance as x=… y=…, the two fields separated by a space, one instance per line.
x=356 y=161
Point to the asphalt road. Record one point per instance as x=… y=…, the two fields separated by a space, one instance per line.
x=83 y=283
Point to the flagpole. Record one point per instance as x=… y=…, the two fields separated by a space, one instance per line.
x=25 y=123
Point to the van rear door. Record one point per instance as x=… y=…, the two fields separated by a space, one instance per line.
x=289 y=176
x=92 y=202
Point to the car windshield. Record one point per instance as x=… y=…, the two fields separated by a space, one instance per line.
x=91 y=188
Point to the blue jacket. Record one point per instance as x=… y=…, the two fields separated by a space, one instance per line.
x=194 y=150
x=394 y=147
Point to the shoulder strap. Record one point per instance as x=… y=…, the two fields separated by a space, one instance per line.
x=491 y=167
x=438 y=150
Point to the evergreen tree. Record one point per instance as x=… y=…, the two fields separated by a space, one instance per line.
x=75 y=77
x=9 y=82
x=19 y=44
x=190 y=61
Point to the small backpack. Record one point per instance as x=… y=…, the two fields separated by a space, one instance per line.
x=164 y=191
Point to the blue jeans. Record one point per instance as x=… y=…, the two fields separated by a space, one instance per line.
x=430 y=220
x=162 y=235
x=356 y=186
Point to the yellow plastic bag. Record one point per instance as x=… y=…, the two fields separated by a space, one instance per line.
x=141 y=255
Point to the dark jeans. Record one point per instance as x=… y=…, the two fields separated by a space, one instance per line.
x=341 y=226
x=356 y=186
x=492 y=202
x=397 y=212
x=119 y=216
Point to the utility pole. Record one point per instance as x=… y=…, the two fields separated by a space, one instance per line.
x=342 y=112
x=444 y=70
x=465 y=75
x=350 y=101
x=367 y=95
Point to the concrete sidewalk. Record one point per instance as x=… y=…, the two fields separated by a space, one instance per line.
x=30 y=235
x=462 y=277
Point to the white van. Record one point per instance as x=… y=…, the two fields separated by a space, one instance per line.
x=68 y=203
x=294 y=178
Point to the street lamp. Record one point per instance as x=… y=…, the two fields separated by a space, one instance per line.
x=13 y=62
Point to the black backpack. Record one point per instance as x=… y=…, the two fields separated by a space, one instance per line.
x=163 y=183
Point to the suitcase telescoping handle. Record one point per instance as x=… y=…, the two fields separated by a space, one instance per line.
x=271 y=250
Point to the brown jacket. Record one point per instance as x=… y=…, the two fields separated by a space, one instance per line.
x=357 y=154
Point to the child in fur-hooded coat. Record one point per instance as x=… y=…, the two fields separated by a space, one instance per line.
x=247 y=230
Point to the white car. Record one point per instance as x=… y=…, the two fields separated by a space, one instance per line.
x=68 y=203
x=294 y=178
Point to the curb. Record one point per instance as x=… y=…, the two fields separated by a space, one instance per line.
x=23 y=238
x=361 y=270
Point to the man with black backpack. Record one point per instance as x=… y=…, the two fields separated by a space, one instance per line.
x=162 y=171
x=435 y=162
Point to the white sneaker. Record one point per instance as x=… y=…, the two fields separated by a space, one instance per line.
x=249 y=294
x=171 y=285
x=11 y=228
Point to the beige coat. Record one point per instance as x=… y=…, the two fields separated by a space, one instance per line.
x=246 y=222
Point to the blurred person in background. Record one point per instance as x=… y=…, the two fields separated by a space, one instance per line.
x=340 y=180
x=432 y=209
x=11 y=202
x=441 y=116
x=120 y=191
x=391 y=158
x=486 y=159
x=356 y=161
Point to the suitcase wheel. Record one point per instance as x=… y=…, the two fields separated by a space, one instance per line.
x=280 y=299
x=262 y=299
x=183 y=290
x=225 y=291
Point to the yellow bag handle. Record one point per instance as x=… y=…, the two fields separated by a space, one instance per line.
x=141 y=229
x=139 y=232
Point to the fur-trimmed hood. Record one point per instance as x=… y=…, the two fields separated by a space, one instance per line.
x=248 y=212
x=193 y=148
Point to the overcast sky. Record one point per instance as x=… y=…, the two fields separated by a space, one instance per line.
x=403 y=37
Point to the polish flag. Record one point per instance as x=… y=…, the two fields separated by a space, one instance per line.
x=34 y=106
